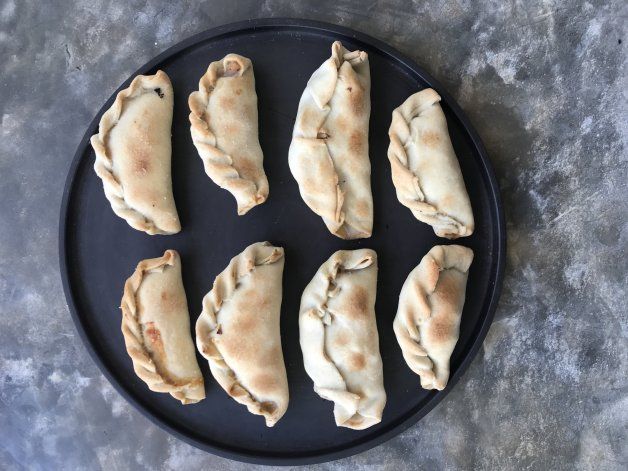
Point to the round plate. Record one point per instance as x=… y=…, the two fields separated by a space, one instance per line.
x=99 y=251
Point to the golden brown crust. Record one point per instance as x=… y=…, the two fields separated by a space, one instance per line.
x=137 y=343
x=428 y=317
x=103 y=165
x=245 y=180
x=444 y=204
x=357 y=303
x=339 y=340
x=327 y=157
x=216 y=347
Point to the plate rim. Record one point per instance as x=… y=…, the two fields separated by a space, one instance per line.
x=499 y=230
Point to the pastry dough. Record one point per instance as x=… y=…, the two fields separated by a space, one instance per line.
x=133 y=153
x=425 y=170
x=223 y=118
x=329 y=153
x=238 y=331
x=156 y=328
x=338 y=336
x=427 y=323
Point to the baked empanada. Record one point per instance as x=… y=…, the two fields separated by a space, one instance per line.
x=238 y=331
x=425 y=170
x=329 y=153
x=133 y=152
x=223 y=119
x=156 y=328
x=427 y=323
x=339 y=340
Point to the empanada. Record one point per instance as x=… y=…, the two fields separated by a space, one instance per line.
x=339 y=340
x=223 y=119
x=329 y=153
x=238 y=331
x=133 y=152
x=156 y=328
x=425 y=170
x=427 y=323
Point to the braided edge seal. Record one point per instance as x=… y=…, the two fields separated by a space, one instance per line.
x=104 y=163
x=443 y=224
x=225 y=286
x=340 y=262
x=339 y=55
x=215 y=161
x=143 y=363
x=425 y=280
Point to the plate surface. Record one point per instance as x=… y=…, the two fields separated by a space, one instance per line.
x=99 y=251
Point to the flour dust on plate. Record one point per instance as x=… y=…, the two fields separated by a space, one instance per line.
x=98 y=250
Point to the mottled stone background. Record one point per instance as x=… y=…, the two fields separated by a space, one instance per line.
x=544 y=82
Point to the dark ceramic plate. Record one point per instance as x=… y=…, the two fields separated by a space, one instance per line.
x=98 y=250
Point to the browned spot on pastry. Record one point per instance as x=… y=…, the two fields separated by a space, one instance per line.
x=268 y=406
x=440 y=330
x=153 y=338
x=248 y=169
x=264 y=383
x=357 y=303
x=233 y=346
x=238 y=91
x=152 y=332
x=341 y=339
x=170 y=301
x=362 y=209
x=447 y=289
x=227 y=102
x=430 y=138
x=322 y=135
x=249 y=300
x=356 y=141
x=141 y=166
x=232 y=68
x=140 y=157
x=237 y=390
x=247 y=322
x=357 y=361
x=249 y=309
x=271 y=355
x=356 y=99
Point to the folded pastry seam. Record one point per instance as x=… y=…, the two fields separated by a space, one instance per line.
x=143 y=363
x=225 y=286
x=104 y=164
x=217 y=163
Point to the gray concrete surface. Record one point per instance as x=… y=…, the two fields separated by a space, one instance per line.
x=543 y=81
